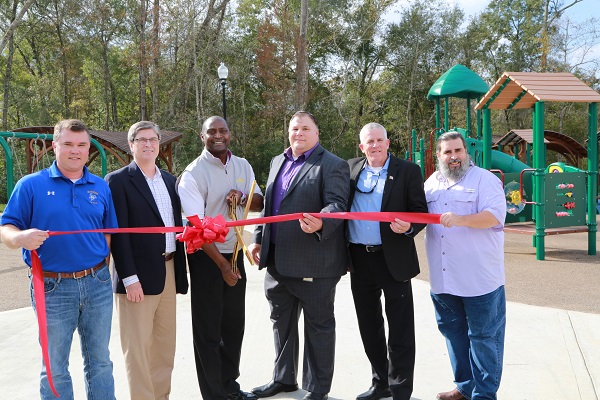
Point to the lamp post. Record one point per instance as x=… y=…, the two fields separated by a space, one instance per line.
x=223 y=72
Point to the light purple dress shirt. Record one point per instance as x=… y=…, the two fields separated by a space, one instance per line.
x=286 y=174
x=465 y=261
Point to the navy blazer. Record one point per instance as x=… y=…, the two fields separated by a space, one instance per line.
x=403 y=192
x=143 y=253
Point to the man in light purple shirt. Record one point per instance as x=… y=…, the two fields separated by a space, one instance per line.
x=465 y=253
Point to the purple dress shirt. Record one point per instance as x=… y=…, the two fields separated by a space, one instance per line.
x=286 y=174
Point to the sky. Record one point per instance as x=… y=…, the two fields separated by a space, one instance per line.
x=579 y=12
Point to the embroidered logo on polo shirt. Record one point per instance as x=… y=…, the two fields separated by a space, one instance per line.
x=93 y=196
x=51 y=193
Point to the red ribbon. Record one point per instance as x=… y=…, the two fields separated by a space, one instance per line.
x=40 y=307
x=201 y=232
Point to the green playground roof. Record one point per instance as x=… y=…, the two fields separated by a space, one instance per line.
x=458 y=81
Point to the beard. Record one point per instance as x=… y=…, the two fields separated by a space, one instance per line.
x=457 y=173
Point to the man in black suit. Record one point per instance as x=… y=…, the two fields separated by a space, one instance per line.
x=304 y=259
x=384 y=259
x=150 y=267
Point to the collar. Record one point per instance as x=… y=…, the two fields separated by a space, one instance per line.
x=156 y=172
x=376 y=170
x=290 y=156
x=54 y=172
x=208 y=155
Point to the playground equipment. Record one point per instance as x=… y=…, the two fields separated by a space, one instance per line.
x=562 y=195
x=551 y=210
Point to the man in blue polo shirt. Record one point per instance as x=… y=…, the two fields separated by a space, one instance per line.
x=66 y=197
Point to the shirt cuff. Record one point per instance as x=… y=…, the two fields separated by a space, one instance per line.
x=130 y=280
x=410 y=231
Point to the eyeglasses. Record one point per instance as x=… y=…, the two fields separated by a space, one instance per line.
x=373 y=184
x=143 y=140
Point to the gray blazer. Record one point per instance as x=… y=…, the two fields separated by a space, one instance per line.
x=321 y=185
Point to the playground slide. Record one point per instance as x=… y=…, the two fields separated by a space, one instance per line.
x=506 y=163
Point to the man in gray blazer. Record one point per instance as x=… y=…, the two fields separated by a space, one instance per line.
x=304 y=259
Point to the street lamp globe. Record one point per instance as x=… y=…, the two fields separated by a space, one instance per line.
x=223 y=72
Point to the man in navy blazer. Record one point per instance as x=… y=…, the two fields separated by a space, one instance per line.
x=304 y=259
x=150 y=268
x=384 y=259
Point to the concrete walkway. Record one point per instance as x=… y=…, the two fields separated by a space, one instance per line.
x=550 y=353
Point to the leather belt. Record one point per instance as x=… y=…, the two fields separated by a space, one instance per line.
x=369 y=248
x=169 y=256
x=74 y=275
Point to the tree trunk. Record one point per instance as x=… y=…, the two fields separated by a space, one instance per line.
x=549 y=19
x=15 y=22
x=142 y=62
x=63 y=66
x=155 y=57
x=302 y=60
x=110 y=99
x=8 y=72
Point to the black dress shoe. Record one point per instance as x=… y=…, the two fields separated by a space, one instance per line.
x=272 y=388
x=315 y=396
x=375 y=393
x=241 y=395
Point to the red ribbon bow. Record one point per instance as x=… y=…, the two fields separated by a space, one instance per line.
x=202 y=231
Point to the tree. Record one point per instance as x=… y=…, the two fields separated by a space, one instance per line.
x=553 y=9
x=302 y=59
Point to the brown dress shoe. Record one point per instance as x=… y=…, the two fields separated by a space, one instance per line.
x=451 y=395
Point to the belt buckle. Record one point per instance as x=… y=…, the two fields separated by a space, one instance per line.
x=370 y=249
x=74 y=274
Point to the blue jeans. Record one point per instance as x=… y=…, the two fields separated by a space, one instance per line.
x=474 y=331
x=84 y=304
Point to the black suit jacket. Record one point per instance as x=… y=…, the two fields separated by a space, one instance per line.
x=321 y=185
x=143 y=253
x=403 y=192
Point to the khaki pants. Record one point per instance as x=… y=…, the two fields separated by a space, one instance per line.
x=148 y=340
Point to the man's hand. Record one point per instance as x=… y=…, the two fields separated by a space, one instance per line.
x=29 y=239
x=482 y=220
x=310 y=224
x=254 y=250
x=135 y=293
x=230 y=277
x=234 y=194
x=449 y=219
x=399 y=226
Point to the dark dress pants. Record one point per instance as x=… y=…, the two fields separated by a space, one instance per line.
x=287 y=298
x=218 y=317
x=370 y=278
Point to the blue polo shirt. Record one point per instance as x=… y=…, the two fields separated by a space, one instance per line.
x=47 y=200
